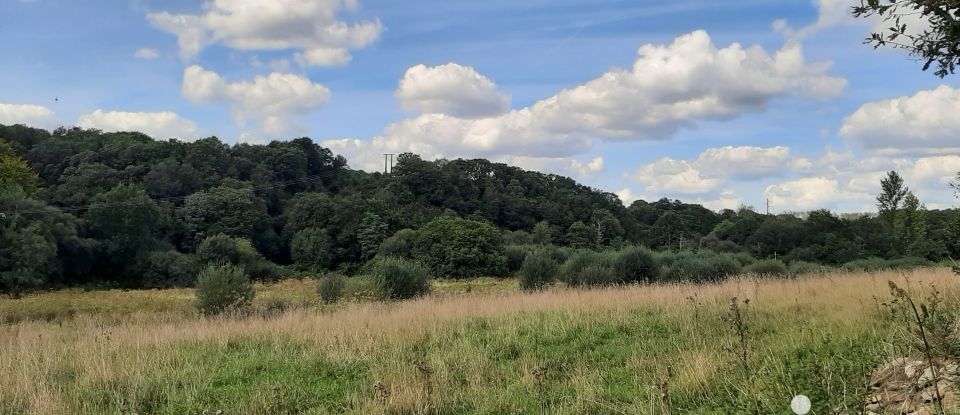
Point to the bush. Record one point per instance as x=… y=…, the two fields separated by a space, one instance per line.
x=167 y=269
x=223 y=288
x=866 y=264
x=538 y=270
x=586 y=267
x=699 y=267
x=908 y=263
x=400 y=278
x=330 y=287
x=222 y=249
x=770 y=267
x=597 y=275
x=515 y=256
x=364 y=288
x=311 y=249
x=798 y=268
x=399 y=245
x=636 y=264
x=455 y=247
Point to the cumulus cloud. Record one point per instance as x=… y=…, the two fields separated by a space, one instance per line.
x=667 y=175
x=272 y=101
x=311 y=27
x=808 y=193
x=925 y=122
x=669 y=87
x=28 y=114
x=450 y=89
x=159 y=125
x=746 y=162
x=146 y=53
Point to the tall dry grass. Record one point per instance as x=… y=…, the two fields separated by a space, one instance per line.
x=92 y=363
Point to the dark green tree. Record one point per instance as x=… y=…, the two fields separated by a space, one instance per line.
x=370 y=234
x=936 y=41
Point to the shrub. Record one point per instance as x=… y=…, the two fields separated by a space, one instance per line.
x=689 y=268
x=596 y=275
x=723 y=266
x=400 y=278
x=866 y=264
x=538 y=270
x=797 y=268
x=515 y=256
x=222 y=249
x=363 y=288
x=456 y=247
x=699 y=267
x=399 y=245
x=330 y=287
x=636 y=264
x=310 y=249
x=771 y=267
x=908 y=263
x=223 y=288
x=167 y=269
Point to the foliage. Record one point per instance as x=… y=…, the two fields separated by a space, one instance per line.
x=458 y=248
x=636 y=264
x=767 y=267
x=311 y=249
x=701 y=266
x=399 y=245
x=399 y=278
x=538 y=270
x=223 y=288
x=372 y=232
x=167 y=269
x=14 y=172
x=515 y=255
x=330 y=287
x=588 y=268
x=223 y=249
x=797 y=268
x=937 y=40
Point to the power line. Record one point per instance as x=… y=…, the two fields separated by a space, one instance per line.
x=80 y=208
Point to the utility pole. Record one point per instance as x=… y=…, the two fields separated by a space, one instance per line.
x=387 y=158
x=768 y=206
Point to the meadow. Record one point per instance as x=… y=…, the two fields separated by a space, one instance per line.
x=470 y=347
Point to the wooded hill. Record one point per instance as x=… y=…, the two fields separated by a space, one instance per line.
x=86 y=207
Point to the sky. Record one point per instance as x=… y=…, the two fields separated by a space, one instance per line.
x=732 y=103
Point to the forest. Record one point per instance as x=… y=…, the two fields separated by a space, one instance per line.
x=82 y=207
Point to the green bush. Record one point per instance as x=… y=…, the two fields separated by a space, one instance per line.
x=908 y=263
x=699 y=267
x=399 y=245
x=636 y=264
x=458 y=248
x=598 y=275
x=223 y=249
x=515 y=256
x=770 y=267
x=311 y=249
x=167 y=269
x=798 y=268
x=222 y=288
x=400 y=278
x=364 y=288
x=331 y=287
x=866 y=264
x=538 y=270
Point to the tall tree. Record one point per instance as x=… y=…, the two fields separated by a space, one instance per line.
x=892 y=193
x=935 y=38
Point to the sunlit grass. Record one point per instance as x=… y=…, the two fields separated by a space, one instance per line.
x=602 y=351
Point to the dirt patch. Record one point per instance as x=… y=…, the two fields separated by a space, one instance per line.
x=906 y=386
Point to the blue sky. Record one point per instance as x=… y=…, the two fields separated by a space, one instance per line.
x=553 y=85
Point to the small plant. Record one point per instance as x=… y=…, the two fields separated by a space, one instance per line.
x=663 y=385
x=539 y=375
x=222 y=288
x=330 y=287
x=381 y=392
x=538 y=270
x=426 y=375
x=767 y=267
x=400 y=278
x=737 y=319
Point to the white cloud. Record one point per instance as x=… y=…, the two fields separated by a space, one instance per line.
x=27 y=114
x=273 y=101
x=594 y=166
x=450 y=89
x=627 y=196
x=746 y=162
x=146 y=53
x=670 y=87
x=926 y=122
x=667 y=175
x=159 y=125
x=309 y=26
x=808 y=193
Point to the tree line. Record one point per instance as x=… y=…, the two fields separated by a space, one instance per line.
x=84 y=207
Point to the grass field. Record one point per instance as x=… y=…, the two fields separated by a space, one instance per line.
x=470 y=347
